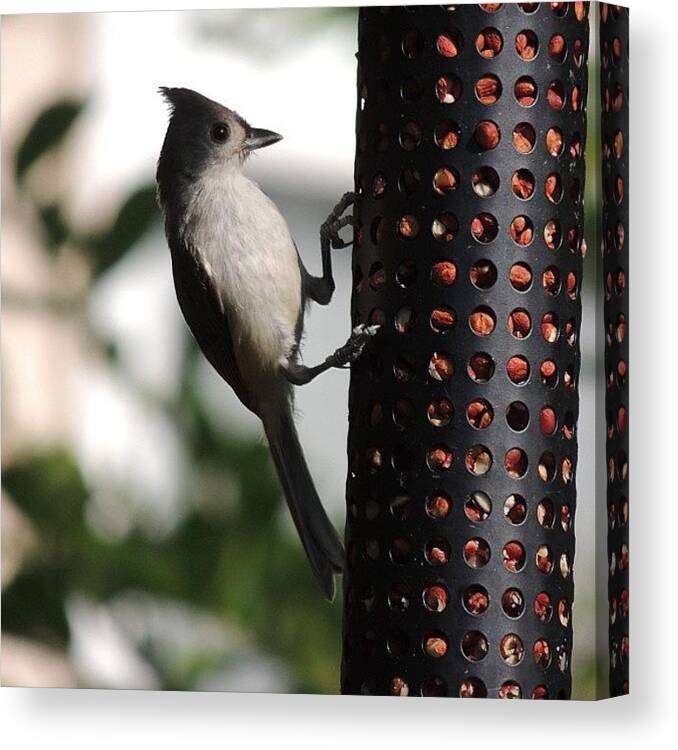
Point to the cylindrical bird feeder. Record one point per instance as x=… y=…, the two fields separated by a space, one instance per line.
x=614 y=81
x=462 y=444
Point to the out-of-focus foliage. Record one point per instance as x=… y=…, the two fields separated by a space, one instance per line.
x=232 y=561
x=46 y=133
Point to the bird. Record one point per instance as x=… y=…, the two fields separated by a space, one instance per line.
x=243 y=290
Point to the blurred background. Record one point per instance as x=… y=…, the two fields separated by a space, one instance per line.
x=143 y=544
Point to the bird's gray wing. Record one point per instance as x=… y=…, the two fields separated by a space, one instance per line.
x=205 y=315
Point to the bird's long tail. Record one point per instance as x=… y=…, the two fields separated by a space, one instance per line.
x=319 y=537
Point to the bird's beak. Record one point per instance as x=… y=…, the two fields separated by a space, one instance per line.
x=258 y=138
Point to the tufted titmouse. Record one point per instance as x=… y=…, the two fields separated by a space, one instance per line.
x=243 y=289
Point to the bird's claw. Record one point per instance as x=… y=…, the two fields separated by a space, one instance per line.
x=353 y=348
x=336 y=221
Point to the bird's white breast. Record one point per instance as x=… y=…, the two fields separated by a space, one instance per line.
x=245 y=245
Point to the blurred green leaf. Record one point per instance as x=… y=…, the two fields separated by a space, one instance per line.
x=136 y=215
x=47 y=131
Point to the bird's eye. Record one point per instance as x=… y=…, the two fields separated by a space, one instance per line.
x=220 y=132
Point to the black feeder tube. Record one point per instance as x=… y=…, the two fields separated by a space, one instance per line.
x=462 y=445
x=614 y=81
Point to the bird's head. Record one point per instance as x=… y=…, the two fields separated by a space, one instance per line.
x=202 y=134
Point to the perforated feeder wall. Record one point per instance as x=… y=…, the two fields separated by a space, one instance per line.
x=614 y=80
x=463 y=410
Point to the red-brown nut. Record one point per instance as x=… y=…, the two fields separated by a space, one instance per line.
x=435 y=598
x=438 y=506
x=444 y=273
x=488 y=89
x=447 y=46
x=518 y=369
x=547 y=420
x=486 y=135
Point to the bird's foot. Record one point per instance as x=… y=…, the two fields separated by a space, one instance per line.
x=336 y=221
x=353 y=348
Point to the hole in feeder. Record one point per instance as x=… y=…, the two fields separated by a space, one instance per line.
x=487 y=135
x=517 y=416
x=412 y=44
x=444 y=273
x=550 y=281
x=485 y=182
x=445 y=181
x=478 y=460
x=520 y=277
x=522 y=184
x=440 y=412
x=474 y=645
x=515 y=509
x=479 y=414
x=542 y=653
x=449 y=43
x=478 y=507
x=527 y=44
x=435 y=645
x=438 y=552
x=434 y=687
x=406 y=273
x=439 y=458
x=549 y=327
x=489 y=43
x=408 y=227
x=519 y=323
x=410 y=135
x=440 y=366
x=443 y=319
x=403 y=369
x=435 y=598
x=438 y=505
x=472 y=687
x=480 y=367
x=401 y=550
x=399 y=597
x=476 y=553
x=547 y=467
x=544 y=559
x=511 y=649
x=553 y=187
x=555 y=95
x=482 y=321
x=404 y=320
x=524 y=138
x=448 y=89
x=488 y=89
x=513 y=603
x=447 y=135
x=542 y=607
x=484 y=228
x=545 y=513
x=510 y=689
x=483 y=274
x=518 y=370
x=397 y=644
x=515 y=463
x=552 y=234
x=522 y=230
x=525 y=91
x=513 y=556
x=476 y=599
x=445 y=227
x=409 y=181
x=554 y=141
